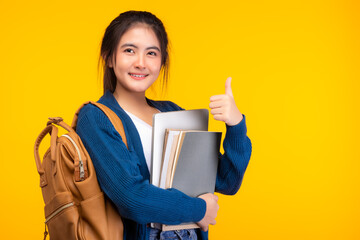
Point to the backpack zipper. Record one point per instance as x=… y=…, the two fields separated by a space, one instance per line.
x=81 y=164
x=59 y=210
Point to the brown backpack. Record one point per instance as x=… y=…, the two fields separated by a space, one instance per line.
x=75 y=206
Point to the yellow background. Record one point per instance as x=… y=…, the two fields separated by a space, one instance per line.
x=295 y=70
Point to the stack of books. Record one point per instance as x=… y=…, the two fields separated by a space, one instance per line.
x=188 y=163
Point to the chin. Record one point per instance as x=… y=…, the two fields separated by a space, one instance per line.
x=138 y=89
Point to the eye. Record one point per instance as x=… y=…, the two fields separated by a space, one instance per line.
x=152 y=53
x=129 y=50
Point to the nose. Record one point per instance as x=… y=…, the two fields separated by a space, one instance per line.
x=140 y=62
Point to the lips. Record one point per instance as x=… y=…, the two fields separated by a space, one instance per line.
x=138 y=76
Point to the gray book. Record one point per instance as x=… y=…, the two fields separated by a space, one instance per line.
x=190 y=165
x=196 y=166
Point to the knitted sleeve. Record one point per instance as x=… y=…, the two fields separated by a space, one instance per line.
x=234 y=161
x=119 y=176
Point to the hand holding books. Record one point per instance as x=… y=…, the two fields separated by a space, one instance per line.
x=223 y=107
x=212 y=208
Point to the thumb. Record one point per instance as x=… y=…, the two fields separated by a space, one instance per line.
x=228 y=90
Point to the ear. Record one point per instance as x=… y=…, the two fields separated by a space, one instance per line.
x=110 y=61
x=110 y=65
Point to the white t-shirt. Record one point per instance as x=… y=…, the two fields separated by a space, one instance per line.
x=145 y=132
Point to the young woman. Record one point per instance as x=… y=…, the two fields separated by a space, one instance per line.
x=134 y=51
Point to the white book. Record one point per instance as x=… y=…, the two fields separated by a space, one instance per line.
x=168 y=149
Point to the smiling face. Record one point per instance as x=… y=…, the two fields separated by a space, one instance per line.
x=137 y=61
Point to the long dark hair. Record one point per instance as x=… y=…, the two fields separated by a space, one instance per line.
x=113 y=34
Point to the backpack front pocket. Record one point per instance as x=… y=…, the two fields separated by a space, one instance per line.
x=62 y=217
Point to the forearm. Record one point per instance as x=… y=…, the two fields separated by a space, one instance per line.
x=142 y=202
x=234 y=161
x=119 y=177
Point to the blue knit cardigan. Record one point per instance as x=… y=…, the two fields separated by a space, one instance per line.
x=124 y=177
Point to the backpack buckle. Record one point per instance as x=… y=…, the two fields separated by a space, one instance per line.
x=54 y=120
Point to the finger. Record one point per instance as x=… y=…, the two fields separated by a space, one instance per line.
x=218 y=117
x=228 y=90
x=216 y=97
x=213 y=222
x=204 y=228
x=215 y=111
x=216 y=104
x=216 y=197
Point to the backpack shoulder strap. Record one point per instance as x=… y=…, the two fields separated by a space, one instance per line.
x=114 y=119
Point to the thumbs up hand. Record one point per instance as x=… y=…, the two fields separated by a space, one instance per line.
x=223 y=107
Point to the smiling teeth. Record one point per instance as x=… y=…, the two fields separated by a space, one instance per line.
x=137 y=75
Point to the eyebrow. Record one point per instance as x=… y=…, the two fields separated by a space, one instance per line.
x=134 y=46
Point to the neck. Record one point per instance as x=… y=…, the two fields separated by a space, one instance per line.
x=130 y=101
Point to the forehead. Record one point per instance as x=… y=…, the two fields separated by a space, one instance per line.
x=140 y=34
